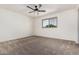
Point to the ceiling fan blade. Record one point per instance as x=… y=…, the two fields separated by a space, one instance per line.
x=30 y=7
x=40 y=5
x=31 y=11
x=41 y=11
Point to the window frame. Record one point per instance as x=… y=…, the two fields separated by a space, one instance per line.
x=52 y=18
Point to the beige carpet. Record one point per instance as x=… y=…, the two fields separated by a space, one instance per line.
x=38 y=46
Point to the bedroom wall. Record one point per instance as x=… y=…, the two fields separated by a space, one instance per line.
x=67 y=26
x=14 y=25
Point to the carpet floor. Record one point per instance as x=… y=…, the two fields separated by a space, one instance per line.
x=35 y=45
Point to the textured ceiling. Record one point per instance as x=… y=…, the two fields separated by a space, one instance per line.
x=50 y=8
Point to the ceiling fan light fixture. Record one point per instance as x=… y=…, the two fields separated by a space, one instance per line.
x=36 y=9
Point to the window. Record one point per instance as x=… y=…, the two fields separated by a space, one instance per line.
x=49 y=22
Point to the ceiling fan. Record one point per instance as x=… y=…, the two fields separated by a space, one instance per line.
x=36 y=9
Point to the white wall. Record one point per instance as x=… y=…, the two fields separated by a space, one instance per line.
x=14 y=25
x=67 y=26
